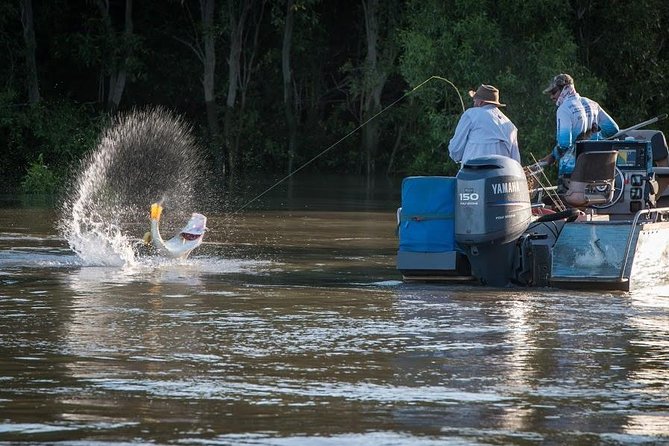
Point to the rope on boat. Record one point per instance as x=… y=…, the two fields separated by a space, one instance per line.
x=350 y=134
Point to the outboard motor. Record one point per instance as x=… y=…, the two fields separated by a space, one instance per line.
x=492 y=211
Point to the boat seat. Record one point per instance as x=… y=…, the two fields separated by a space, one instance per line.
x=592 y=182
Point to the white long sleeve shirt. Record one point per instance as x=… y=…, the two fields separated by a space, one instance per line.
x=484 y=131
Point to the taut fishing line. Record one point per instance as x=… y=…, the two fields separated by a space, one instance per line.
x=348 y=135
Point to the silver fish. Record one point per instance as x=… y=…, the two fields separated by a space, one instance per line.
x=181 y=245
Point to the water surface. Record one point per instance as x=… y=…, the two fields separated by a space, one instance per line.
x=290 y=326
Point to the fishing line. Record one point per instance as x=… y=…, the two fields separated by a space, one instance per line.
x=348 y=135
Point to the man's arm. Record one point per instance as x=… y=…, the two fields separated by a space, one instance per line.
x=514 y=150
x=456 y=147
x=608 y=126
x=547 y=160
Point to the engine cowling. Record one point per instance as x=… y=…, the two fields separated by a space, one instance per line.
x=492 y=210
x=492 y=201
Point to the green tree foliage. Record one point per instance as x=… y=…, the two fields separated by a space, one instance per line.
x=39 y=179
x=625 y=44
x=504 y=43
x=616 y=50
x=58 y=134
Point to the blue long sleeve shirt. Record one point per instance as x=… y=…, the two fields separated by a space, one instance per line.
x=576 y=118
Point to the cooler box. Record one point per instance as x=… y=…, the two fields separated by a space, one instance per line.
x=426 y=228
x=426 y=220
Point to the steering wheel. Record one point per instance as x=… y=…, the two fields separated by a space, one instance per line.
x=618 y=189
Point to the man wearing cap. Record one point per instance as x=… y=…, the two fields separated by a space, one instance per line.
x=577 y=118
x=484 y=130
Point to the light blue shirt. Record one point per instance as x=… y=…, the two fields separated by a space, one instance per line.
x=484 y=131
x=576 y=116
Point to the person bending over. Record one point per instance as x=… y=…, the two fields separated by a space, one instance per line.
x=577 y=118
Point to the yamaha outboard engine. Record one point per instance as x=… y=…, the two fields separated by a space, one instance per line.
x=492 y=211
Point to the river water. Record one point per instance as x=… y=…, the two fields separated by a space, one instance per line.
x=290 y=326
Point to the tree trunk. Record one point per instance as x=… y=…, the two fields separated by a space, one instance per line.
x=373 y=86
x=396 y=147
x=207 y=56
x=236 y=34
x=115 y=67
x=241 y=68
x=288 y=90
x=118 y=76
x=31 y=46
x=209 y=64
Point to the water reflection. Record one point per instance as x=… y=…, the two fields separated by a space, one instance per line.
x=651 y=348
x=554 y=372
x=291 y=327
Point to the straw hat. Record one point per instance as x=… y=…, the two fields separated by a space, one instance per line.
x=487 y=94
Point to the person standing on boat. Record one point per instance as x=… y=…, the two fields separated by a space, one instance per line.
x=484 y=130
x=577 y=118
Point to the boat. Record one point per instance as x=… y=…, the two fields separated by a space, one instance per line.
x=604 y=227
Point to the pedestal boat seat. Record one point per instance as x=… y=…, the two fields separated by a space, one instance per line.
x=592 y=182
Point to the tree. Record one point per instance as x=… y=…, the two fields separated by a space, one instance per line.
x=245 y=17
x=380 y=24
x=288 y=88
x=365 y=82
x=120 y=52
x=203 y=44
x=208 y=59
x=296 y=21
x=30 y=47
x=372 y=84
x=635 y=72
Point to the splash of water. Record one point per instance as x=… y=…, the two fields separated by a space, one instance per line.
x=142 y=157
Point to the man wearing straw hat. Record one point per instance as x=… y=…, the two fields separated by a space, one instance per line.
x=484 y=130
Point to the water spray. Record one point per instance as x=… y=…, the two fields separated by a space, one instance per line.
x=349 y=134
x=140 y=156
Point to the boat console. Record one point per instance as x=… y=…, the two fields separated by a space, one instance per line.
x=660 y=157
x=642 y=174
x=634 y=184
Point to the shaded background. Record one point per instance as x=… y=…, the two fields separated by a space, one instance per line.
x=267 y=85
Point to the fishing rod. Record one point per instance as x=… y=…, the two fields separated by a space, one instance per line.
x=639 y=125
x=536 y=172
x=348 y=135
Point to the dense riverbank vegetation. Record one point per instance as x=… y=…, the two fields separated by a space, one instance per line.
x=270 y=84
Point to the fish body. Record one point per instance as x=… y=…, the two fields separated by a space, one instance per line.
x=181 y=245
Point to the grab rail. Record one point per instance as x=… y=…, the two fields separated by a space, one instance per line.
x=635 y=222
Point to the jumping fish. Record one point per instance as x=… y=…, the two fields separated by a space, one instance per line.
x=181 y=245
